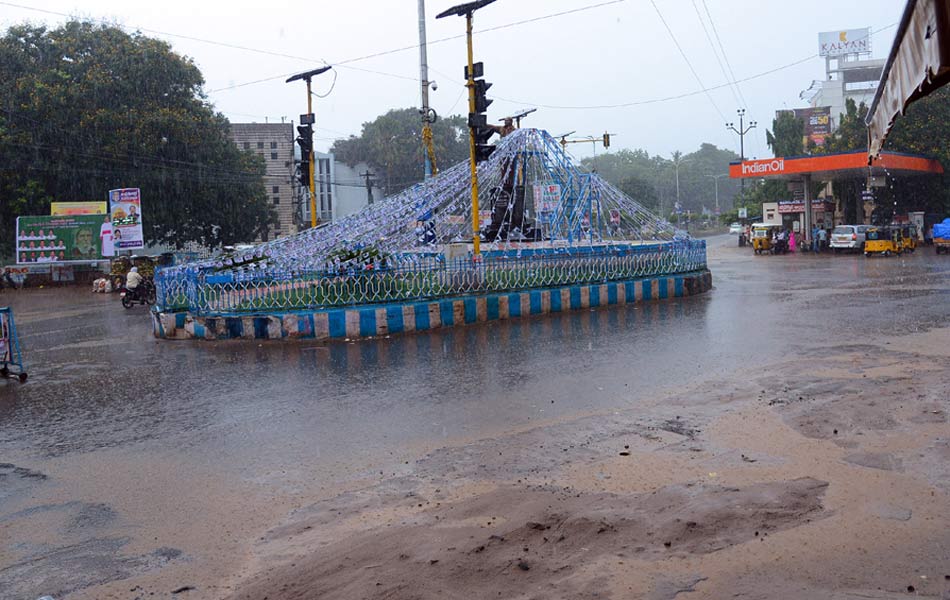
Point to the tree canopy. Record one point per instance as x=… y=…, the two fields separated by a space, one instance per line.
x=392 y=145
x=87 y=108
x=651 y=180
x=786 y=135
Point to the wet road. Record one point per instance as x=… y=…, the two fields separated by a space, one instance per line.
x=148 y=443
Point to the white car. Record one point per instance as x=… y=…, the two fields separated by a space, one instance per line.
x=848 y=237
x=735 y=228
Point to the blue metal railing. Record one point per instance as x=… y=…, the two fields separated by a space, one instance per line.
x=411 y=277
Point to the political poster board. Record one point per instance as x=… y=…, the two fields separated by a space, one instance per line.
x=61 y=209
x=59 y=239
x=125 y=208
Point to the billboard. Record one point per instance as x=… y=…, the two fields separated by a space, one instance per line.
x=817 y=121
x=59 y=209
x=125 y=206
x=848 y=41
x=59 y=239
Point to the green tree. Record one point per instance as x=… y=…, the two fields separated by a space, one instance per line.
x=87 y=108
x=696 y=171
x=852 y=133
x=392 y=145
x=787 y=134
x=924 y=129
x=640 y=190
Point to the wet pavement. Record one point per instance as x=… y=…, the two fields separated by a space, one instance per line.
x=128 y=457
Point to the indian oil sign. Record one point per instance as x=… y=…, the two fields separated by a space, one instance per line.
x=768 y=166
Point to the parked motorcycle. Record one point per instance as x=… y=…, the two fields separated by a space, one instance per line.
x=143 y=294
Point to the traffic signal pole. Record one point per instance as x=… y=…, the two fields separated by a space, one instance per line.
x=478 y=129
x=476 y=229
x=306 y=141
x=313 y=196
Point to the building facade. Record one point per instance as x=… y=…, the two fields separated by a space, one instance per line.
x=850 y=72
x=340 y=190
x=274 y=142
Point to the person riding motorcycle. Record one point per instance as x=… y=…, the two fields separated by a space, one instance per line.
x=132 y=282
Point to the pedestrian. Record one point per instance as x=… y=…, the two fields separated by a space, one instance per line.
x=822 y=240
x=814 y=239
x=791 y=241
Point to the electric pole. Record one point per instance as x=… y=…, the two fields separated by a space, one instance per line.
x=369 y=185
x=741 y=131
x=428 y=114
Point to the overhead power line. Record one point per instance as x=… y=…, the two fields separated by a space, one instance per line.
x=724 y=56
x=722 y=67
x=685 y=58
x=674 y=96
x=342 y=63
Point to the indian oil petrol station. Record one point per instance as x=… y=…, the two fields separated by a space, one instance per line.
x=827 y=208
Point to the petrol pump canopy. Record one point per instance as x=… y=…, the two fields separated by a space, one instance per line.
x=918 y=64
x=831 y=167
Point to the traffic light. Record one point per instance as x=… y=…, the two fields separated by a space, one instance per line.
x=478 y=124
x=305 y=141
x=606 y=140
x=478 y=121
x=481 y=100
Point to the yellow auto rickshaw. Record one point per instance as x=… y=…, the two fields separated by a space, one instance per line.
x=909 y=237
x=883 y=240
x=762 y=237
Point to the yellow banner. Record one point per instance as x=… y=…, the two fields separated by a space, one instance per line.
x=62 y=209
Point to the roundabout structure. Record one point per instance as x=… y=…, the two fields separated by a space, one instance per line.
x=553 y=238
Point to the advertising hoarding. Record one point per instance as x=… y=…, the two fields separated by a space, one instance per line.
x=817 y=123
x=125 y=207
x=848 y=41
x=60 y=209
x=59 y=239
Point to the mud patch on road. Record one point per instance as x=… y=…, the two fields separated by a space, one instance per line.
x=64 y=570
x=516 y=540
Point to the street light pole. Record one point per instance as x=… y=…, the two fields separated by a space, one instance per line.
x=716 y=177
x=677 y=161
x=741 y=131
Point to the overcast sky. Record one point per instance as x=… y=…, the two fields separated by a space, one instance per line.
x=611 y=53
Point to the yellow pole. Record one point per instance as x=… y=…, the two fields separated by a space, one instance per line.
x=313 y=198
x=471 y=136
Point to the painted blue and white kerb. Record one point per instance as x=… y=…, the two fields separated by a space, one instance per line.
x=390 y=319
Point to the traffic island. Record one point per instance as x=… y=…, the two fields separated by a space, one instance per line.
x=348 y=323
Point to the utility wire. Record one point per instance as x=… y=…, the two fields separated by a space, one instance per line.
x=342 y=63
x=688 y=63
x=676 y=96
x=346 y=63
x=715 y=52
x=723 y=50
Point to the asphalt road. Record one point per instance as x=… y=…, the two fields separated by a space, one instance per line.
x=129 y=457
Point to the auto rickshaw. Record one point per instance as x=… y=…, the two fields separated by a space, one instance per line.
x=762 y=237
x=883 y=240
x=909 y=237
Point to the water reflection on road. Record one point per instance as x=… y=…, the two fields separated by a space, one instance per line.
x=99 y=380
